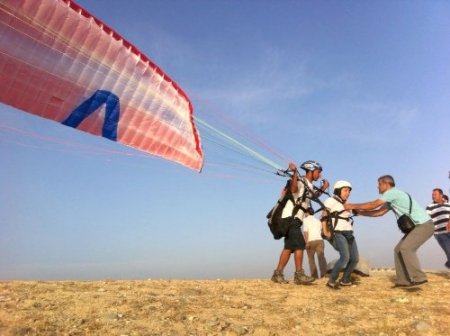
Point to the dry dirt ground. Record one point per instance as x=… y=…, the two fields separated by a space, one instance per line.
x=224 y=307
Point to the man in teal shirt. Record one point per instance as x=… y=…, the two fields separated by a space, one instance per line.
x=407 y=266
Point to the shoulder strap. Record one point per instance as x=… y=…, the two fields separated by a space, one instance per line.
x=337 y=198
x=410 y=207
x=313 y=197
x=311 y=192
x=410 y=203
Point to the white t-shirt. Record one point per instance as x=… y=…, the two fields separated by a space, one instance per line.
x=334 y=205
x=313 y=226
x=287 y=211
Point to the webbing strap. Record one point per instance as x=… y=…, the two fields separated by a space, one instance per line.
x=410 y=207
x=335 y=215
x=312 y=198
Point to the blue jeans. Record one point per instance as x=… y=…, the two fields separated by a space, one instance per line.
x=345 y=244
x=444 y=241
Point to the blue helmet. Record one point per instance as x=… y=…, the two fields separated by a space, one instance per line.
x=311 y=165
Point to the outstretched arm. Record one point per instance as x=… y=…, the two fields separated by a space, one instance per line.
x=373 y=213
x=365 y=206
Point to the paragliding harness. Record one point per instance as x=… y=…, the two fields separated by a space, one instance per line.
x=331 y=219
x=279 y=227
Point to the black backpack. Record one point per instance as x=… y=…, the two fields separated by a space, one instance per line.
x=277 y=225
x=280 y=226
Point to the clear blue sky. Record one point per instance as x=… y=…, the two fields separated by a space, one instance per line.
x=360 y=86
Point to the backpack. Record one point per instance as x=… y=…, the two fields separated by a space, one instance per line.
x=280 y=226
x=277 y=225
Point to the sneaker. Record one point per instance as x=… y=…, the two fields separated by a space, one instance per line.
x=278 y=277
x=345 y=283
x=332 y=285
x=301 y=278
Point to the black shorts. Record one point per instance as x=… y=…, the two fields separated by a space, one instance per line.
x=294 y=239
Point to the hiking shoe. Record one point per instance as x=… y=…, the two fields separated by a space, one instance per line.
x=332 y=285
x=278 y=277
x=301 y=278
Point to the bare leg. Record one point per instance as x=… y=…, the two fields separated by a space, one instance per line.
x=298 y=259
x=284 y=258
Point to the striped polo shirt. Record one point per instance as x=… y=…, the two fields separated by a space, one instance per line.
x=440 y=214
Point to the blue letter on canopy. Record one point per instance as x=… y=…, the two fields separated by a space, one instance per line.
x=112 y=112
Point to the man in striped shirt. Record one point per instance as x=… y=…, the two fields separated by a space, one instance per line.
x=439 y=212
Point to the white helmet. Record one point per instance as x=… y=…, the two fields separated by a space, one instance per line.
x=341 y=184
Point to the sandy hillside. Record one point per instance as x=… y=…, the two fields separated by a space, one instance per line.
x=224 y=307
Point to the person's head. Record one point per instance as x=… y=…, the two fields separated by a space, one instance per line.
x=313 y=170
x=437 y=196
x=342 y=189
x=385 y=182
x=445 y=198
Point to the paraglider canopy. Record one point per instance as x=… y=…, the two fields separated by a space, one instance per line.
x=59 y=62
